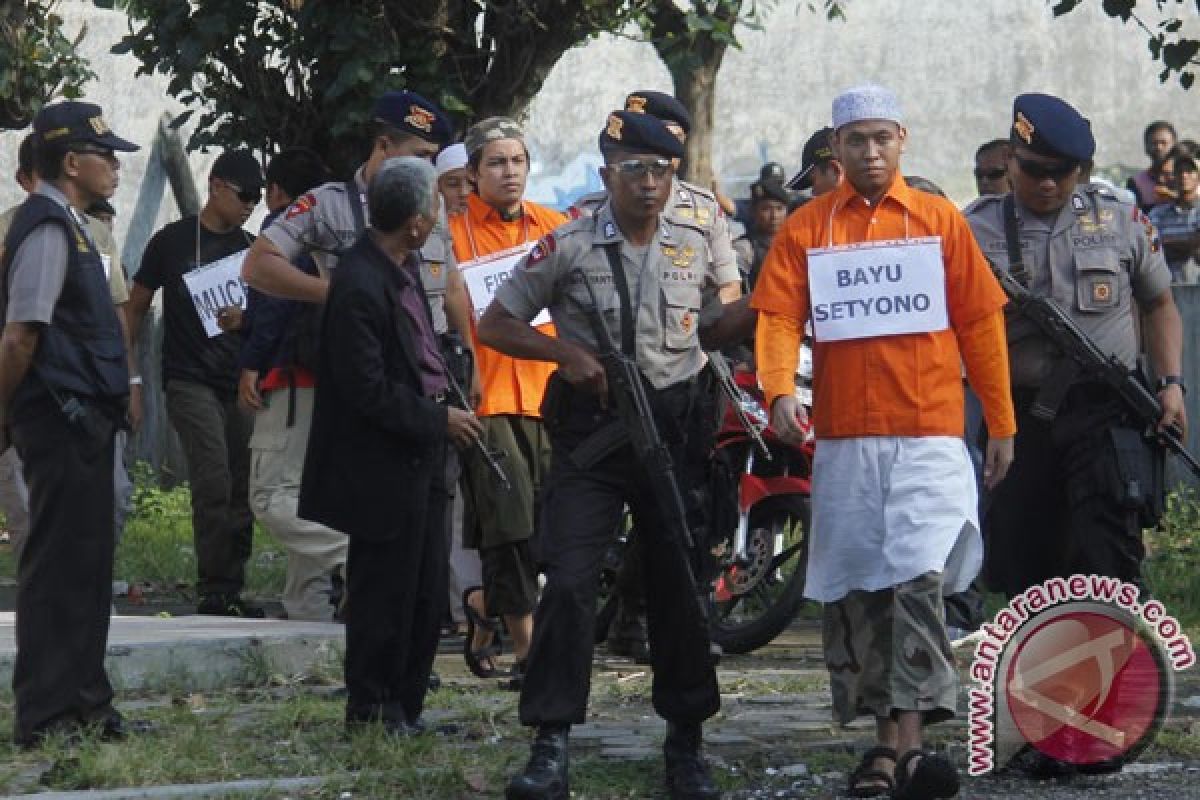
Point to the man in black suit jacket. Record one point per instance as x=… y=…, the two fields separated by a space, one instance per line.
x=374 y=466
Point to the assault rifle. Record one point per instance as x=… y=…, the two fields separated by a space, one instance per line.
x=493 y=462
x=636 y=416
x=720 y=368
x=1083 y=359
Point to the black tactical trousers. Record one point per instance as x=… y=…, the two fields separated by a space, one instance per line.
x=64 y=576
x=581 y=511
x=395 y=599
x=1060 y=510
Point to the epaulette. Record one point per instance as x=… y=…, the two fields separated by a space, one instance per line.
x=983 y=201
x=1106 y=193
x=694 y=189
x=587 y=204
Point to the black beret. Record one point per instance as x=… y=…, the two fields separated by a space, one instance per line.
x=639 y=133
x=661 y=105
x=1051 y=127
x=410 y=112
x=73 y=121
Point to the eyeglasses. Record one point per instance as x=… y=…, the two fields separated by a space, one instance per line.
x=636 y=168
x=103 y=152
x=990 y=174
x=1040 y=171
x=245 y=196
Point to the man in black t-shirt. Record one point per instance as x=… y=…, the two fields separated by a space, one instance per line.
x=197 y=262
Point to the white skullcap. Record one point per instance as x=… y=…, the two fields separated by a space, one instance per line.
x=453 y=157
x=866 y=102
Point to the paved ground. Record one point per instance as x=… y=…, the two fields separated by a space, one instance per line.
x=773 y=730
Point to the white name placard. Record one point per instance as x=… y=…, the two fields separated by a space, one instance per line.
x=486 y=274
x=215 y=286
x=877 y=289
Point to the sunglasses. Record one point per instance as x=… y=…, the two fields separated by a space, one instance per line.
x=990 y=174
x=108 y=155
x=1040 y=171
x=245 y=196
x=636 y=168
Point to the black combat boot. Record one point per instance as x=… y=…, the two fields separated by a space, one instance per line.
x=545 y=775
x=688 y=777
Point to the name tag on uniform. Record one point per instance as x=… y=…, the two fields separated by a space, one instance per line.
x=877 y=289
x=106 y=260
x=484 y=275
x=216 y=286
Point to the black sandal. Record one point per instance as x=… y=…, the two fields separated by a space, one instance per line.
x=935 y=778
x=477 y=660
x=861 y=784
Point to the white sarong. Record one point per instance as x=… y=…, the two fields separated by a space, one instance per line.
x=886 y=509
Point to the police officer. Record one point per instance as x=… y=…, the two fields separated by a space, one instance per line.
x=646 y=270
x=769 y=208
x=64 y=386
x=1073 y=493
x=327 y=220
x=698 y=207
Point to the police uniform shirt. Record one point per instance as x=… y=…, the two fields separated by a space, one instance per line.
x=665 y=284
x=695 y=207
x=322 y=223
x=1094 y=258
x=39 y=267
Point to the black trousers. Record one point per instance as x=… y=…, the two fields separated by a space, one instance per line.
x=1059 y=510
x=396 y=596
x=580 y=514
x=64 y=577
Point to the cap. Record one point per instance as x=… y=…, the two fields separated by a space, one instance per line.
x=662 y=105
x=1052 y=127
x=868 y=101
x=452 y=158
x=412 y=113
x=490 y=130
x=769 y=190
x=817 y=150
x=772 y=171
x=74 y=121
x=240 y=167
x=639 y=133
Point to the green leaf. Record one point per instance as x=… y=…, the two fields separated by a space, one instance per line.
x=1186 y=79
x=1065 y=7
x=1119 y=8
x=181 y=119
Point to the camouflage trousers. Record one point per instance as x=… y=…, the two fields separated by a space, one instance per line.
x=887 y=651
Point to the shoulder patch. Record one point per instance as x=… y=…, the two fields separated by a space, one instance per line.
x=301 y=205
x=545 y=246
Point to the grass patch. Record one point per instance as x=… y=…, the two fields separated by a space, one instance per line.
x=1172 y=566
x=285 y=733
x=157 y=550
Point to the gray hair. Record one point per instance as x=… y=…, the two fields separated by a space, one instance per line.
x=401 y=189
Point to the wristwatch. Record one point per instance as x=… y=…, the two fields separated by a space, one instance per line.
x=1168 y=380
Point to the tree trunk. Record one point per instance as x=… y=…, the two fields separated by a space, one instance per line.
x=697 y=89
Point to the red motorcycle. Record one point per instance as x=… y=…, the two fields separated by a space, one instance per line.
x=759 y=505
x=759 y=585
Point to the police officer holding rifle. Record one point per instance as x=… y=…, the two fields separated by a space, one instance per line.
x=624 y=290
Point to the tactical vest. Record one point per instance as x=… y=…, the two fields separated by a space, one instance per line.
x=81 y=351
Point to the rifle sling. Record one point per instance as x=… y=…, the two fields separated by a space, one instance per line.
x=628 y=331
